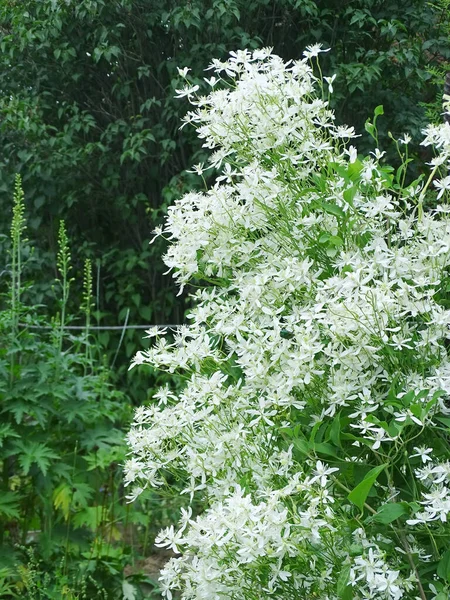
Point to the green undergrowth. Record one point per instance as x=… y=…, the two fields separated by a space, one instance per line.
x=66 y=530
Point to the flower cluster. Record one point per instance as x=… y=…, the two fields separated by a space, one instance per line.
x=313 y=424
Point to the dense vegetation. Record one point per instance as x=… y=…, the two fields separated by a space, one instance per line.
x=313 y=423
x=89 y=119
x=61 y=442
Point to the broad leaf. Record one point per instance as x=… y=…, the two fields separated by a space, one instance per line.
x=389 y=512
x=359 y=494
x=9 y=505
x=443 y=568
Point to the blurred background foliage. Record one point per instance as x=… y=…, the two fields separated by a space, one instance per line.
x=89 y=119
x=66 y=530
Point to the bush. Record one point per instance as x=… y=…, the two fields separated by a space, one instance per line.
x=315 y=417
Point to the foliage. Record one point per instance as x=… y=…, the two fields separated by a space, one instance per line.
x=439 y=70
x=314 y=421
x=61 y=443
x=87 y=113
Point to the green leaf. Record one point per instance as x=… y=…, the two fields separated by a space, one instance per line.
x=343 y=589
x=97 y=54
x=9 y=505
x=302 y=446
x=82 y=493
x=324 y=237
x=335 y=240
x=444 y=421
x=350 y=194
x=389 y=512
x=324 y=448
x=314 y=431
x=335 y=431
x=62 y=497
x=379 y=110
x=7 y=431
x=359 y=494
x=333 y=209
x=91 y=517
x=370 y=128
x=34 y=452
x=443 y=568
x=353 y=169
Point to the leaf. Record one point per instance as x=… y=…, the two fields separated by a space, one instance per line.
x=333 y=209
x=6 y=431
x=128 y=590
x=389 y=512
x=62 y=497
x=314 y=431
x=324 y=448
x=353 y=169
x=359 y=494
x=443 y=568
x=97 y=54
x=335 y=431
x=82 y=493
x=335 y=240
x=91 y=517
x=379 y=110
x=370 y=128
x=33 y=452
x=302 y=446
x=9 y=505
x=343 y=589
x=444 y=420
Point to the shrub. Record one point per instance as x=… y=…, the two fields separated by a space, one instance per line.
x=314 y=421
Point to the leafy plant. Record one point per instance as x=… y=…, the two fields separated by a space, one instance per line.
x=88 y=117
x=313 y=424
x=61 y=442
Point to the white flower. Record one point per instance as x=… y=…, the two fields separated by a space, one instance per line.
x=423 y=453
x=198 y=169
x=317 y=327
x=330 y=80
x=314 y=50
x=188 y=91
x=212 y=81
x=321 y=472
x=442 y=185
x=352 y=154
x=183 y=72
x=405 y=139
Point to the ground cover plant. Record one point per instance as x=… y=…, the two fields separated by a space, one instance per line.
x=313 y=426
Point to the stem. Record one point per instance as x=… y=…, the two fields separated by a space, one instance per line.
x=424 y=191
x=407 y=548
x=66 y=550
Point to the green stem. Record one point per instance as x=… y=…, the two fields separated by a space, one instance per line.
x=424 y=191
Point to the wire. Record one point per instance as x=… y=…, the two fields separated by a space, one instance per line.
x=103 y=327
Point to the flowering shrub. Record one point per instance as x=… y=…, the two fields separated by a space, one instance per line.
x=314 y=422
